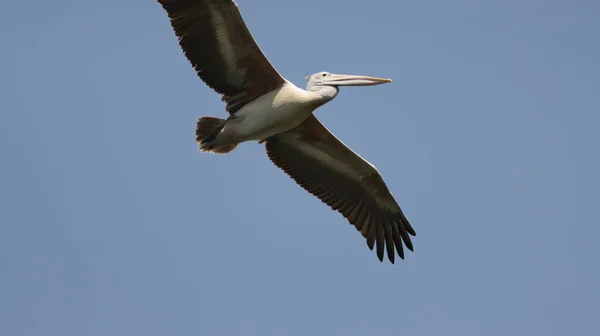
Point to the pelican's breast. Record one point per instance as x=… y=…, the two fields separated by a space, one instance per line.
x=275 y=112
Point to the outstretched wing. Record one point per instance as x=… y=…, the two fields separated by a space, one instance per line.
x=326 y=168
x=215 y=39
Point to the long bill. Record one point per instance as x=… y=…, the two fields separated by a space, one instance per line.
x=353 y=80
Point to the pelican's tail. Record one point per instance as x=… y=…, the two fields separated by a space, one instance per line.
x=207 y=136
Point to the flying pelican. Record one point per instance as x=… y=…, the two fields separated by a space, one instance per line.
x=265 y=107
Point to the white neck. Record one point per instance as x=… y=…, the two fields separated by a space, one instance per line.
x=326 y=92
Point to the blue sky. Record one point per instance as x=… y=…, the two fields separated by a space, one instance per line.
x=113 y=223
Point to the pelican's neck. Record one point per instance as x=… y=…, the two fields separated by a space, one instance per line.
x=327 y=93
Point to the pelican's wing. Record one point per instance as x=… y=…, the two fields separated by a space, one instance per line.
x=215 y=39
x=326 y=168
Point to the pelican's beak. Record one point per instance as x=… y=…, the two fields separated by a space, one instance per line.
x=353 y=80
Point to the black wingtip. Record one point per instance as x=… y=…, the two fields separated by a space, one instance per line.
x=391 y=258
x=370 y=244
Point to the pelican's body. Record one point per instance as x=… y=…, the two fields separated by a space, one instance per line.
x=270 y=114
x=263 y=106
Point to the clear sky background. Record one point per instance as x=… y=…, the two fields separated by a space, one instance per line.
x=112 y=222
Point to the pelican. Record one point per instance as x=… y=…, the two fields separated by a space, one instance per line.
x=265 y=107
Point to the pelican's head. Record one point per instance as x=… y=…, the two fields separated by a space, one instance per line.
x=327 y=84
x=324 y=78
